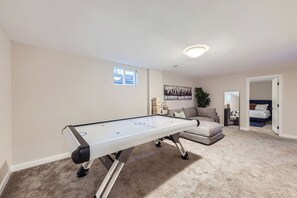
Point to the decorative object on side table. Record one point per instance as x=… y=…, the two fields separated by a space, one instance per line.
x=156 y=106
x=202 y=97
x=164 y=108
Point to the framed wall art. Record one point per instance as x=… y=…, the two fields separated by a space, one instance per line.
x=177 y=92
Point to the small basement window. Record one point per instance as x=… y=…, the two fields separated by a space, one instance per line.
x=124 y=77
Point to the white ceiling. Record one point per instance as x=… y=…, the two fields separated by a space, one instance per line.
x=243 y=35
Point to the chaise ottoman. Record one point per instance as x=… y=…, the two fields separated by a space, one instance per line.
x=206 y=133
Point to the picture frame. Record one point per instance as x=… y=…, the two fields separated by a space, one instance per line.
x=172 y=92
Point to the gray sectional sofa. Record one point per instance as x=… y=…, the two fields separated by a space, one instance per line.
x=209 y=130
x=198 y=113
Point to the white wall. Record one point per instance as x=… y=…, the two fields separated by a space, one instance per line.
x=261 y=90
x=52 y=89
x=157 y=80
x=5 y=103
x=216 y=86
x=155 y=87
x=289 y=101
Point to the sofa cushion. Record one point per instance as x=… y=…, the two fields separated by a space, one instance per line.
x=190 y=112
x=202 y=139
x=172 y=111
x=207 y=129
x=206 y=112
x=202 y=119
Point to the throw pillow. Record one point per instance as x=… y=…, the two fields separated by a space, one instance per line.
x=180 y=115
x=172 y=111
x=190 y=112
x=252 y=106
x=261 y=106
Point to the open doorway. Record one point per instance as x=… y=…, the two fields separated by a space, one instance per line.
x=231 y=108
x=263 y=104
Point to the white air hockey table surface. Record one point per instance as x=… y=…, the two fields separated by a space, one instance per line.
x=113 y=141
x=102 y=138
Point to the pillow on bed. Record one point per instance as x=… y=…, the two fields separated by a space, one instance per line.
x=180 y=115
x=261 y=107
x=252 y=106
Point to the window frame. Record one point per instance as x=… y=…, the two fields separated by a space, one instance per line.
x=124 y=76
x=229 y=98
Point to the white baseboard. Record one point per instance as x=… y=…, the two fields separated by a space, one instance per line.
x=29 y=165
x=288 y=136
x=4 y=182
x=39 y=162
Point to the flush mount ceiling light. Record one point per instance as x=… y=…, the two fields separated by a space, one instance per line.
x=195 y=50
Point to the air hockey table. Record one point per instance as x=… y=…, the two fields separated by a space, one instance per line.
x=112 y=142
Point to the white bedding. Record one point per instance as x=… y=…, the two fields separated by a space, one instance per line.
x=259 y=114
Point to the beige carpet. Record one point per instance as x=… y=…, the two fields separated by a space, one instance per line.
x=265 y=129
x=243 y=164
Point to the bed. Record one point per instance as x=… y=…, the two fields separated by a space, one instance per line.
x=261 y=115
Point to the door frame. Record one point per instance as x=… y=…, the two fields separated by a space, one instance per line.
x=280 y=96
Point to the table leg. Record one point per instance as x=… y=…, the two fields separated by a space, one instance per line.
x=84 y=169
x=113 y=172
x=107 y=179
x=157 y=143
x=113 y=178
x=178 y=144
